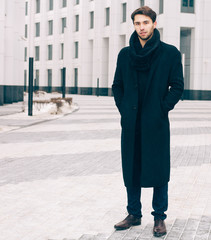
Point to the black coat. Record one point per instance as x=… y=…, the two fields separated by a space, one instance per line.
x=163 y=90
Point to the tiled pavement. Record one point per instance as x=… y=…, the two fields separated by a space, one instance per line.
x=60 y=177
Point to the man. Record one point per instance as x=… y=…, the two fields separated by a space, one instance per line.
x=148 y=82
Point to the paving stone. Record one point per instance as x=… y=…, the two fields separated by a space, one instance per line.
x=87 y=237
x=188 y=235
x=146 y=233
x=179 y=224
x=132 y=234
x=191 y=225
x=173 y=234
x=118 y=235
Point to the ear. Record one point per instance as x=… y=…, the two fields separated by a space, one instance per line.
x=155 y=24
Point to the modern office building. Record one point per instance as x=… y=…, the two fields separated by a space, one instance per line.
x=85 y=36
x=11 y=50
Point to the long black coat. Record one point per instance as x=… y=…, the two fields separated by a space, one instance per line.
x=164 y=89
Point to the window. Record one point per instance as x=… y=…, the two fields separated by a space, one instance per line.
x=37 y=6
x=160 y=6
x=37 y=53
x=63 y=24
x=107 y=16
x=64 y=3
x=26 y=8
x=185 y=49
x=187 y=6
x=76 y=2
x=91 y=16
x=62 y=51
x=49 y=80
x=76 y=77
x=124 y=12
x=50 y=5
x=26 y=31
x=25 y=54
x=50 y=27
x=76 y=23
x=36 y=80
x=25 y=79
x=37 y=29
x=76 y=49
x=142 y=3
x=50 y=52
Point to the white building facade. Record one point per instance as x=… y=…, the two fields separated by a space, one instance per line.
x=85 y=37
x=11 y=50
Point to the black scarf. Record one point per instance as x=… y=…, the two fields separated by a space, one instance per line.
x=141 y=58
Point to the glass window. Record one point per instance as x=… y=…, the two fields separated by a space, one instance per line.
x=76 y=77
x=142 y=3
x=25 y=79
x=62 y=51
x=63 y=24
x=76 y=49
x=37 y=53
x=50 y=27
x=26 y=8
x=25 y=54
x=76 y=2
x=64 y=3
x=36 y=80
x=49 y=80
x=107 y=16
x=37 y=29
x=26 y=31
x=187 y=6
x=50 y=5
x=124 y=12
x=91 y=15
x=76 y=23
x=191 y=3
x=160 y=6
x=50 y=52
x=185 y=3
x=37 y=6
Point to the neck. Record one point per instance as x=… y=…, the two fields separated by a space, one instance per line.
x=142 y=42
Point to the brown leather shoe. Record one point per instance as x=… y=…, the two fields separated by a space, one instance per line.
x=129 y=221
x=159 y=228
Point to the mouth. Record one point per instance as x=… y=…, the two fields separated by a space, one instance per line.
x=143 y=33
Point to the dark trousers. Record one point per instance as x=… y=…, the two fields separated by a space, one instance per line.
x=159 y=201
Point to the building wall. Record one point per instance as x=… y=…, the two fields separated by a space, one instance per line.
x=92 y=71
x=11 y=51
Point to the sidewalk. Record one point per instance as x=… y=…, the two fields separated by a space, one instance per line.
x=62 y=179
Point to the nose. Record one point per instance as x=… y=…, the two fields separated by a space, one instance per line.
x=141 y=27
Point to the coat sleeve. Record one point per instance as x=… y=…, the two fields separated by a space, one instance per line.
x=176 y=84
x=117 y=86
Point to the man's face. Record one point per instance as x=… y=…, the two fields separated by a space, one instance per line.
x=144 y=26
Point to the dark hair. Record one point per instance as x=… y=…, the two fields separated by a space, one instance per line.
x=145 y=10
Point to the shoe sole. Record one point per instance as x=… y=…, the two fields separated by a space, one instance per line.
x=159 y=234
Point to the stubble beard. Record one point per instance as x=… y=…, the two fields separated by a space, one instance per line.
x=146 y=38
